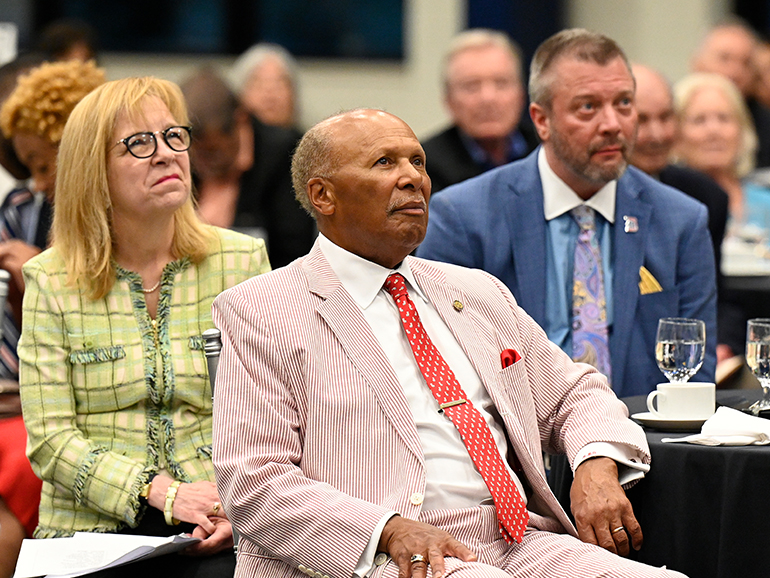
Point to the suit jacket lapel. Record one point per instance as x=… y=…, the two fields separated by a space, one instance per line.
x=344 y=318
x=628 y=257
x=527 y=237
x=479 y=347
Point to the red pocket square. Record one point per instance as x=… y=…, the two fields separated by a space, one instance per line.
x=509 y=357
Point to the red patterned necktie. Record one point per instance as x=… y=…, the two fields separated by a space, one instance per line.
x=512 y=515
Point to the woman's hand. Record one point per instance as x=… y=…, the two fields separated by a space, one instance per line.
x=196 y=503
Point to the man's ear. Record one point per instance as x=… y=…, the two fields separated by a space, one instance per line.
x=540 y=120
x=321 y=194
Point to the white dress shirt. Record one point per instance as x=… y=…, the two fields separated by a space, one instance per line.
x=451 y=479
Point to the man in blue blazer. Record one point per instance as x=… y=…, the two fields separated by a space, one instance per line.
x=514 y=222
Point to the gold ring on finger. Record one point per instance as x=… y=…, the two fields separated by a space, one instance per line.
x=618 y=529
x=417 y=558
x=216 y=507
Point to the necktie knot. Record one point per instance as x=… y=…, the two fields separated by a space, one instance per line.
x=395 y=285
x=585 y=217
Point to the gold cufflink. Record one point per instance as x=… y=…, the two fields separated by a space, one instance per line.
x=457 y=305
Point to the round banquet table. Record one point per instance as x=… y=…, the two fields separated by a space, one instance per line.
x=704 y=511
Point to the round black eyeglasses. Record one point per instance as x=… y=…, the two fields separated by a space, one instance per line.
x=143 y=145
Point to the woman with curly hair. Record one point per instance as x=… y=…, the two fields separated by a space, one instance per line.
x=33 y=118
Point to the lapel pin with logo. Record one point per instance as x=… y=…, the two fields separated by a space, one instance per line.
x=630 y=224
x=457 y=305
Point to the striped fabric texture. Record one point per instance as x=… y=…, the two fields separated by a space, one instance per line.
x=314 y=440
x=106 y=400
x=511 y=511
x=18 y=205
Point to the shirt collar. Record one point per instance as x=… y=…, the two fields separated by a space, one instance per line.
x=559 y=198
x=361 y=278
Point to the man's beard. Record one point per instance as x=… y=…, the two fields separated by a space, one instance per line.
x=579 y=162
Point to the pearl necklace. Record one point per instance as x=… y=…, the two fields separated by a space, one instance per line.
x=151 y=289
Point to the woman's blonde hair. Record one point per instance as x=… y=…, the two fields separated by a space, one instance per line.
x=82 y=229
x=43 y=99
x=690 y=85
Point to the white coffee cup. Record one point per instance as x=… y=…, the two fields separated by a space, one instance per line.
x=690 y=400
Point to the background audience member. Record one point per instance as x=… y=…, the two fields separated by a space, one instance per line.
x=716 y=135
x=485 y=97
x=68 y=39
x=761 y=63
x=655 y=139
x=114 y=389
x=13 y=173
x=242 y=170
x=727 y=50
x=33 y=118
x=19 y=486
x=596 y=253
x=265 y=80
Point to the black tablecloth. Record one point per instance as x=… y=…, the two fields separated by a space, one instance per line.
x=704 y=511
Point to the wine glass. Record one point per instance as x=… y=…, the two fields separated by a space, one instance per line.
x=758 y=359
x=679 y=348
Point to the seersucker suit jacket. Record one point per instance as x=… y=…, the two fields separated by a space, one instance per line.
x=495 y=222
x=314 y=440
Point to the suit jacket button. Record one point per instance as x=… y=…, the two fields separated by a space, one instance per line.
x=380 y=559
x=416 y=498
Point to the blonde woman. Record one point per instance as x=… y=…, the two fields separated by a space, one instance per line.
x=114 y=385
x=716 y=134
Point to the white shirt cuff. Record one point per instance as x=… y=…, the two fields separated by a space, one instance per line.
x=630 y=462
x=365 y=564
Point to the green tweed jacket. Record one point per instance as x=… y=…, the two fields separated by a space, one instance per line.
x=109 y=398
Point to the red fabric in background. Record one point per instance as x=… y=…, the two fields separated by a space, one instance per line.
x=19 y=486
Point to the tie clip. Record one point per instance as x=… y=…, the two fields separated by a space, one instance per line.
x=443 y=406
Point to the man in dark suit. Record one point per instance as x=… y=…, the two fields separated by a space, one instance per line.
x=519 y=222
x=242 y=170
x=485 y=98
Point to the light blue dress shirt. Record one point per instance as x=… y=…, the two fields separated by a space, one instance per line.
x=561 y=237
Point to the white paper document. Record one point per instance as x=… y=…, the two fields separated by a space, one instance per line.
x=87 y=552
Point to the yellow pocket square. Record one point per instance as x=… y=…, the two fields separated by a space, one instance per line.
x=647 y=282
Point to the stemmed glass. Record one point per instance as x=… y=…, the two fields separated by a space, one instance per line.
x=679 y=348
x=758 y=359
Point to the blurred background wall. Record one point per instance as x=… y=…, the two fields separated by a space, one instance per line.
x=662 y=33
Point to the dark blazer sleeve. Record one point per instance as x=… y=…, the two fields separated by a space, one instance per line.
x=447 y=160
x=267 y=196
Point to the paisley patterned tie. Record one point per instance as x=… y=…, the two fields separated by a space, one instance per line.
x=590 y=343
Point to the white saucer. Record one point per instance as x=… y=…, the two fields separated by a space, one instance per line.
x=651 y=420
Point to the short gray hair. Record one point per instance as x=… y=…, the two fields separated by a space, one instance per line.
x=315 y=156
x=577 y=43
x=256 y=55
x=481 y=38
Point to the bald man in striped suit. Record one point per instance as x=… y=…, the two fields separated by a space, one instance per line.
x=335 y=452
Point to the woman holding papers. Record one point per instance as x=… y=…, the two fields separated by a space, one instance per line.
x=114 y=385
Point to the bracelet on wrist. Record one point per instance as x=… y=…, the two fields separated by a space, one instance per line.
x=144 y=494
x=168 y=508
